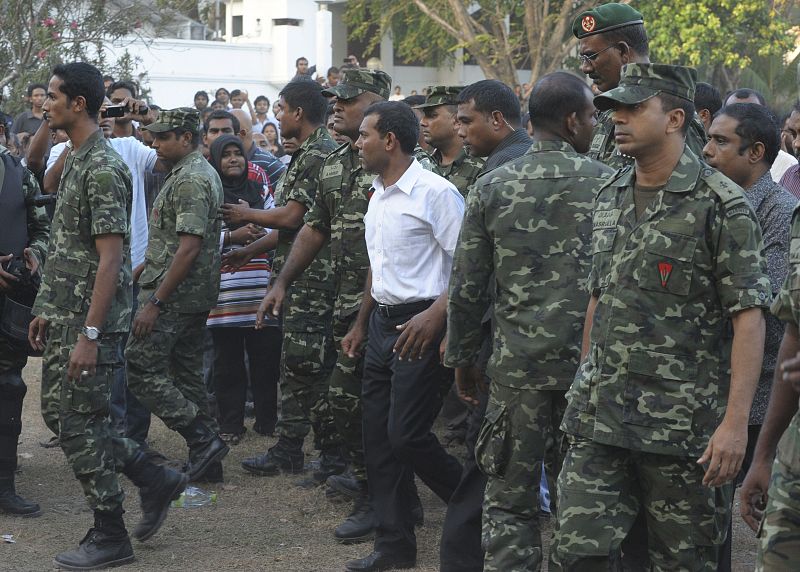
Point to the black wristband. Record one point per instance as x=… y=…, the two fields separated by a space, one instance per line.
x=155 y=301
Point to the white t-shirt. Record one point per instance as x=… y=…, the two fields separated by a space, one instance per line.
x=140 y=159
x=782 y=162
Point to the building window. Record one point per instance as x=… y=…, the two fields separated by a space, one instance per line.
x=286 y=22
x=237 y=26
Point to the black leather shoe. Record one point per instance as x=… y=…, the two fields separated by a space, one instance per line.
x=205 y=448
x=275 y=461
x=359 y=526
x=380 y=561
x=12 y=503
x=214 y=474
x=345 y=484
x=97 y=550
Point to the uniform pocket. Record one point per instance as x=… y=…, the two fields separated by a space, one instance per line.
x=154 y=267
x=493 y=448
x=303 y=356
x=68 y=279
x=602 y=246
x=660 y=391
x=667 y=263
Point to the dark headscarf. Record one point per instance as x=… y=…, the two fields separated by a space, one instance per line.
x=239 y=187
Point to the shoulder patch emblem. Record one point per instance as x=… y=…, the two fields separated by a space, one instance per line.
x=664 y=270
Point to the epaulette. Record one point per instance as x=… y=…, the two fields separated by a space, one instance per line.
x=734 y=201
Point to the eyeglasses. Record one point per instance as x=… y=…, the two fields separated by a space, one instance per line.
x=589 y=58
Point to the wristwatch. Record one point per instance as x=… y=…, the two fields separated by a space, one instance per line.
x=155 y=301
x=92 y=334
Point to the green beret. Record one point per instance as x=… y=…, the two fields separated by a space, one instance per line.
x=441 y=95
x=356 y=81
x=169 y=119
x=640 y=82
x=604 y=19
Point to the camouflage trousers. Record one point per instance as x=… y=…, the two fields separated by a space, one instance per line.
x=779 y=548
x=344 y=398
x=307 y=359
x=82 y=421
x=517 y=428
x=13 y=356
x=601 y=489
x=165 y=369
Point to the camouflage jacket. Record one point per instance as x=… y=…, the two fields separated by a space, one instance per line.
x=311 y=296
x=94 y=198
x=426 y=160
x=462 y=172
x=656 y=378
x=187 y=204
x=529 y=222
x=37 y=220
x=604 y=148
x=339 y=209
x=787 y=308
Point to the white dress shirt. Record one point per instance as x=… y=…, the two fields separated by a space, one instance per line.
x=782 y=162
x=140 y=159
x=411 y=232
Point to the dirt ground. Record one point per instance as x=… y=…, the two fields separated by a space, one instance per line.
x=262 y=523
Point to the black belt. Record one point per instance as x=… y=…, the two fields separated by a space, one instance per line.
x=390 y=312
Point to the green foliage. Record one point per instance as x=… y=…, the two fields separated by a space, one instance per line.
x=36 y=35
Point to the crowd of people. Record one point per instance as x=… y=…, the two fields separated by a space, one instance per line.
x=608 y=282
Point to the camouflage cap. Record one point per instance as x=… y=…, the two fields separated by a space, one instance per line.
x=441 y=95
x=356 y=81
x=640 y=82
x=169 y=119
x=604 y=19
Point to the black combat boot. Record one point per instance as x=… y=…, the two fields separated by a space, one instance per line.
x=331 y=462
x=359 y=526
x=345 y=485
x=158 y=485
x=214 y=474
x=205 y=448
x=105 y=545
x=285 y=456
x=12 y=503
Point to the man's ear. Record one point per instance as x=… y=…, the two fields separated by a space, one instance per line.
x=756 y=152
x=391 y=141
x=571 y=123
x=498 y=121
x=676 y=118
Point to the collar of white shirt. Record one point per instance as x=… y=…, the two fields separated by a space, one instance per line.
x=405 y=183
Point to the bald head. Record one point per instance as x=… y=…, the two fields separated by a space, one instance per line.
x=245 y=127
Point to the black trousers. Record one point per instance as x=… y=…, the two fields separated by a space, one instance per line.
x=400 y=401
x=231 y=376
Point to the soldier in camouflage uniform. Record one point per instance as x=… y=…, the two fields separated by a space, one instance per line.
x=23 y=242
x=178 y=284
x=611 y=36
x=653 y=417
x=440 y=130
x=528 y=223
x=770 y=494
x=308 y=353
x=82 y=310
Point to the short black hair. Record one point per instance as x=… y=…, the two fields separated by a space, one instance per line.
x=634 y=35
x=398 y=118
x=554 y=97
x=492 y=95
x=300 y=59
x=308 y=95
x=123 y=84
x=179 y=131
x=329 y=112
x=744 y=93
x=221 y=89
x=670 y=102
x=222 y=114
x=33 y=86
x=756 y=124
x=413 y=100
x=706 y=96
x=108 y=78
x=82 y=79
x=236 y=92
x=201 y=93
x=261 y=98
x=332 y=69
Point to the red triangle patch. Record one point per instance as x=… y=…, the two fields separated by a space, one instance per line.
x=664 y=270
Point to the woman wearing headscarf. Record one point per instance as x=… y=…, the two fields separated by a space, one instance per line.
x=232 y=321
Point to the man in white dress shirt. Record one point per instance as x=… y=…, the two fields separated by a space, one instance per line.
x=412 y=227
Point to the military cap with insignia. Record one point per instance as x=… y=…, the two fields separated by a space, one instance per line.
x=640 y=82
x=356 y=81
x=169 y=119
x=604 y=19
x=441 y=95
